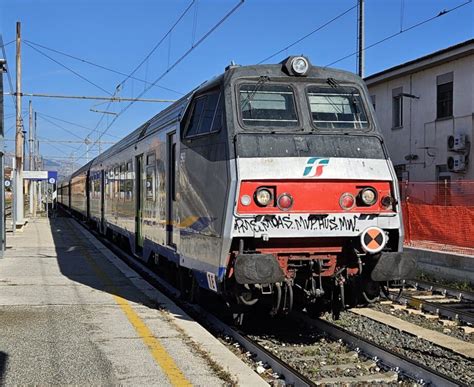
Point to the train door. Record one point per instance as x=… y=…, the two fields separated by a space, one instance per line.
x=139 y=203
x=102 y=200
x=87 y=195
x=171 y=190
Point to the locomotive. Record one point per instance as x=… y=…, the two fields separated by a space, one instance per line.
x=269 y=185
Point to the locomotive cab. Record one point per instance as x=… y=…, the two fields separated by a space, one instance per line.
x=316 y=218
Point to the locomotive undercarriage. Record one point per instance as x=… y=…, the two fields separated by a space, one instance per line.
x=317 y=274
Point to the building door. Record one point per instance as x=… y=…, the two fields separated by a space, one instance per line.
x=139 y=203
x=171 y=191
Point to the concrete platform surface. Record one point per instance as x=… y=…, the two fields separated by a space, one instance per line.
x=69 y=315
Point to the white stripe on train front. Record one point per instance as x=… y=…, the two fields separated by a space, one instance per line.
x=313 y=168
x=310 y=225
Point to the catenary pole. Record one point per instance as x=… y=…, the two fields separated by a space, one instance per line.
x=360 y=39
x=31 y=185
x=2 y=167
x=18 y=195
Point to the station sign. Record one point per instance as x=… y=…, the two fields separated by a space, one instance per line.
x=50 y=176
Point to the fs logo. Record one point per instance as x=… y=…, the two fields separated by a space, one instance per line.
x=315 y=164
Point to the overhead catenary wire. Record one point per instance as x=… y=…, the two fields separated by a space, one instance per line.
x=441 y=13
x=100 y=66
x=179 y=60
x=309 y=34
x=71 y=123
x=5 y=44
x=67 y=68
x=61 y=127
x=9 y=77
x=111 y=98
x=145 y=59
x=159 y=42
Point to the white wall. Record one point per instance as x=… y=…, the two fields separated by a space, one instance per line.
x=420 y=127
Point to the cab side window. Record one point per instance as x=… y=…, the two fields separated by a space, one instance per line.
x=206 y=115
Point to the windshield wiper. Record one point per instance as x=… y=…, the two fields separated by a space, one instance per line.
x=261 y=81
x=353 y=100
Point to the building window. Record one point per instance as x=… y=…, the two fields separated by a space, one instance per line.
x=444 y=95
x=397 y=107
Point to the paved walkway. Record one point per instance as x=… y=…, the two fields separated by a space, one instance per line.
x=68 y=316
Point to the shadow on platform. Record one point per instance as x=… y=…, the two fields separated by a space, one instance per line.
x=3 y=366
x=80 y=261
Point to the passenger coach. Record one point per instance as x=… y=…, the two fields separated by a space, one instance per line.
x=268 y=184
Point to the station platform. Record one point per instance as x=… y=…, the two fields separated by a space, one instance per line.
x=71 y=315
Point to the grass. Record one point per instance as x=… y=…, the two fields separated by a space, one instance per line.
x=460 y=285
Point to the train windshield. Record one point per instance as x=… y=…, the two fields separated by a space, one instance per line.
x=268 y=105
x=337 y=108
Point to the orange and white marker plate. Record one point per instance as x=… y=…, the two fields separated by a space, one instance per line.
x=373 y=240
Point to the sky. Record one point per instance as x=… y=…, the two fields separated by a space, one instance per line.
x=119 y=34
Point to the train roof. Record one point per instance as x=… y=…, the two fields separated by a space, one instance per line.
x=82 y=169
x=175 y=111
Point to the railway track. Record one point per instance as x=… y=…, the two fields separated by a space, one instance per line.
x=445 y=302
x=381 y=365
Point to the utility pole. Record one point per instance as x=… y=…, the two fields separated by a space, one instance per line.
x=18 y=194
x=2 y=171
x=31 y=143
x=360 y=39
x=35 y=167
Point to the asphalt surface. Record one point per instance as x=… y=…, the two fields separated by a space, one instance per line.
x=68 y=316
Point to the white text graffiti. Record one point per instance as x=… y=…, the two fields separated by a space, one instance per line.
x=266 y=223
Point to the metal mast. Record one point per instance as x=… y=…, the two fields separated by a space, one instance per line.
x=18 y=195
x=360 y=39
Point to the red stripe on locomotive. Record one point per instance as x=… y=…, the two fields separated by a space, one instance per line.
x=313 y=196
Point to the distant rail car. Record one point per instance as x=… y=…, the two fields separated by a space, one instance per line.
x=269 y=184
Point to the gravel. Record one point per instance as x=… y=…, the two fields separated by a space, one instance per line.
x=423 y=351
x=421 y=321
x=311 y=352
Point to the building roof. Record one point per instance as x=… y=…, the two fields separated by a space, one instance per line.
x=435 y=58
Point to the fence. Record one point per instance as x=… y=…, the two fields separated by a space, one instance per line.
x=439 y=215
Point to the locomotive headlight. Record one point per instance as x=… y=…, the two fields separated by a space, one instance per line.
x=368 y=196
x=245 y=200
x=299 y=65
x=263 y=197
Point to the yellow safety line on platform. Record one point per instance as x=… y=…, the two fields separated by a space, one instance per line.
x=158 y=351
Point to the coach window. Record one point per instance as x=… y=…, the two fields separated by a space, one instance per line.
x=110 y=183
x=122 y=181
x=150 y=177
x=96 y=184
x=338 y=107
x=129 y=182
x=116 y=182
x=206 y=116
x=268 y=105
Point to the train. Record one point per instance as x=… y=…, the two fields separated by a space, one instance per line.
x=269 y=185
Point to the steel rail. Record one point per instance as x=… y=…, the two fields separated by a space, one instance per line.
x=434 y=287
x=290 y=375
x=397 y=362
x=439 y=309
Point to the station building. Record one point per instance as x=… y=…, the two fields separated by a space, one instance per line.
x=425 y=108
